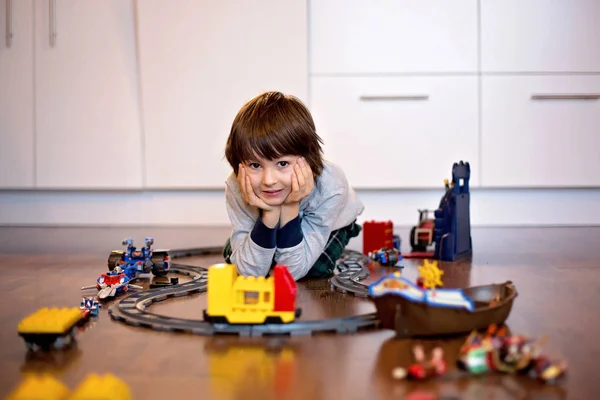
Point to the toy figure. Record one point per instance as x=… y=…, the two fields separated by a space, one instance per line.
x=423 y=369
x=496 y=351
x=430 y=276
x=90 y=305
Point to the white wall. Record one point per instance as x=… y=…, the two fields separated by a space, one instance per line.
x=490 y=54
x=489 y=207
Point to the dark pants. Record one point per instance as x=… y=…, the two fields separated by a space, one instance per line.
x=325 y=264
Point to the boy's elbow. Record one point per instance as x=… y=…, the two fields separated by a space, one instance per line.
x=246 y=269
x=298 y=271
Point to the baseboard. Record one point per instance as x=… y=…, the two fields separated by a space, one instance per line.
x=489 y=207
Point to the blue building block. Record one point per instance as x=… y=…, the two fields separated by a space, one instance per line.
x=452 y=218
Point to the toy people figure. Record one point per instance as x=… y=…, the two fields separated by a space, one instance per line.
x=148 y=246
x=130 y=247
x=422 y=369
x=286 y=204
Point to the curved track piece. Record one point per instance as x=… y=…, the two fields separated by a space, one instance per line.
x=132 y=310
x=352 y=268
x=195 y=273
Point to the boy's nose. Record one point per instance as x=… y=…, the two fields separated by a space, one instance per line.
x=268 y=177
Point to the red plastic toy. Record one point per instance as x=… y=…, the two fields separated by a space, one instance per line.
x=423 y=369
x=377 y=235
x=422 y=235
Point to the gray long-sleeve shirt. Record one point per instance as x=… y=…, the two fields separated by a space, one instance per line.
x=331 y=205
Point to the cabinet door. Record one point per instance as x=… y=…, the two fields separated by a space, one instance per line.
x=540 y=35
x=16 y=94
x=540 y=131
x=87 y=111
x=391 y=36
x=200 y=61
x=403 y=132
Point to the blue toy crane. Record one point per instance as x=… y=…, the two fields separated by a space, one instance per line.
x=452 y=218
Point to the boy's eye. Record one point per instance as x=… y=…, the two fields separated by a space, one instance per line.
x=254 y=165
x=283 y=163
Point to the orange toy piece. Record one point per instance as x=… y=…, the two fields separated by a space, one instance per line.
x=237 y=299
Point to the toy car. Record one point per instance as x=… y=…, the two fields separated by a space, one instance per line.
x=422 y=235
x=386 y=256
x=135 y=261
x=112 y=284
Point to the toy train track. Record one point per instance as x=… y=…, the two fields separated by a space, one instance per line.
x=196 y=273
x=133 y=310
x=351 y=267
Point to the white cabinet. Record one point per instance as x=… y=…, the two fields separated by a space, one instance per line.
x=200 y=61
x=391 y=36
x=540 y=131
x=16 y=94
x=540 y=35
x=398 y=132
x=87 y=117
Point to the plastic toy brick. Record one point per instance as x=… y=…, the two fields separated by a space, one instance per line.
x=378 y=235
x=39 y=387
x=237 y=299
x=50 y=320
x=101 y=387
x=50 y=327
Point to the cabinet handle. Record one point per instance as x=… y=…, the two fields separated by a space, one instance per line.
x=587 y=96
x=394 y=98
x=9 y=32
x=52 y=22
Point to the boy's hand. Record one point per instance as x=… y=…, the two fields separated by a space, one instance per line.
x=248 y=193
x=303 y=182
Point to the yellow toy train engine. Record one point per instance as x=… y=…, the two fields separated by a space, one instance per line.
x=236 y=299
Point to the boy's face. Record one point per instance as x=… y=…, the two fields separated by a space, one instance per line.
x=271 y=180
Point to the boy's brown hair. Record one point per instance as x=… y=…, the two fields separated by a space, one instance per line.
x=272 y=125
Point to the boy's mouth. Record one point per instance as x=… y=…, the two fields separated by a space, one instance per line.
x=272 y=193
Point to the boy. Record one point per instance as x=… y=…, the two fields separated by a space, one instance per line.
x=286 y=203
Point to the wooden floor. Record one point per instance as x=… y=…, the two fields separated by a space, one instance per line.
x=556 y=272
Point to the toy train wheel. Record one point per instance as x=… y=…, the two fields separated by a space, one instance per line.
x=393 y=258
x=419 y=246
x=214 y=320
x=148 y=267
x=43 y=342
x=161 y=263
x=115 y=258
x=273 y=320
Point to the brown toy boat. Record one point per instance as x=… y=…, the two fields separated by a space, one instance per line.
x=481 y=306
